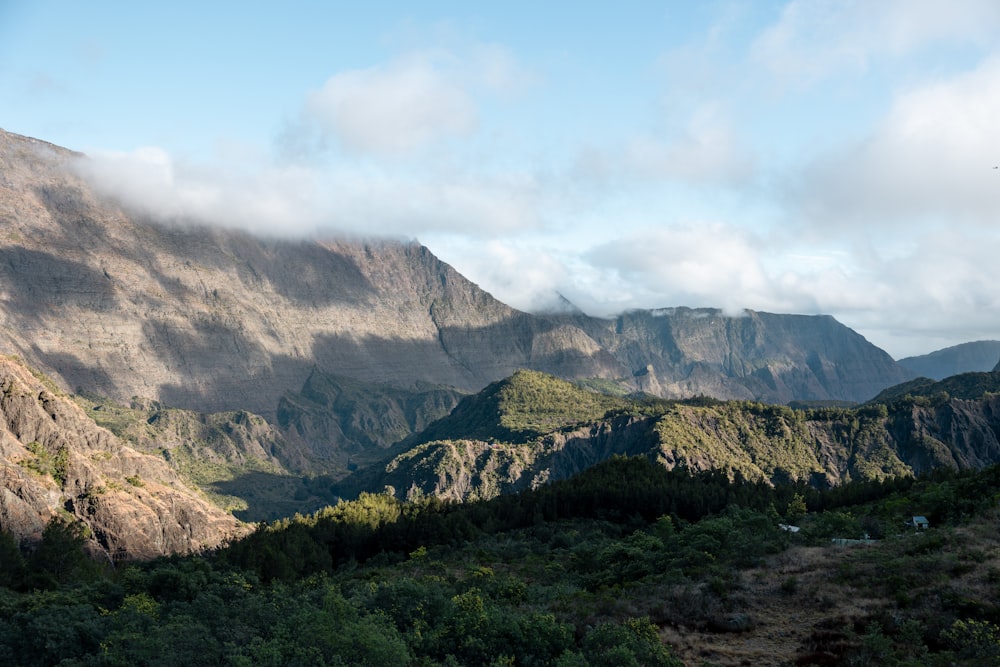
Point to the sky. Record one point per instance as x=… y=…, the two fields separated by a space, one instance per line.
x=805 y=156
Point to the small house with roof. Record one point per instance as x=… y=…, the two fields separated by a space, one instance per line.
x=920 y=522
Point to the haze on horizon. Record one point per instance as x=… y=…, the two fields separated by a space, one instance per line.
x=820 y=156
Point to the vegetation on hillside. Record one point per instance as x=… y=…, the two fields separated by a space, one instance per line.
x=966 y=386
x=631 y=562
x=520 y=408
x=232 y=457
x=597 y=570
x=533 y=428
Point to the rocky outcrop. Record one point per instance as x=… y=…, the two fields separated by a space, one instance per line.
x=957 y=433
x=972 y=357
x=100 y=298
x=54 y=460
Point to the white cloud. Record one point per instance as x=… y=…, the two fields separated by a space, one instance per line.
x=814 y=39
x=525 y=275
x=417 y=100
x=496 y=70
x=279 y=201
x=931 y=157
x=378 y=117
x=940 y=293
x=710 y=264
x=293 y=200
x=392 y=110
x=705 y=151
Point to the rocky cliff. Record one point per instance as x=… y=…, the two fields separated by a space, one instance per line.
x=54 y=460
x=348 y=422
x=102 y=299
x=677 y=352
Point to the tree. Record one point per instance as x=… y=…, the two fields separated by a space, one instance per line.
x=59 y=558
x=12 y=566
x=796 y=508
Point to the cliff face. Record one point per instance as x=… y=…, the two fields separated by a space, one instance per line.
x=779 y=449
x=220 y=320
x=679 y=352
x=101 y=299
x=345 y=423
x=54 y=460
x=958 y=433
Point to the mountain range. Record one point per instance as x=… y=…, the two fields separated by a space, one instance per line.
x=104 y=299
x=977 y=356
x=266 y=375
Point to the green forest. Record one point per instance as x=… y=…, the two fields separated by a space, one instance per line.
x=593 y=570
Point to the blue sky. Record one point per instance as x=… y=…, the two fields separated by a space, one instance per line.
x=796 y=156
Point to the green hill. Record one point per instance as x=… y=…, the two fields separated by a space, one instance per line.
x=533 y=429
x=522 y=407
x=966 y=386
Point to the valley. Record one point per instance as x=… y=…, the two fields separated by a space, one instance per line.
x=259 y=450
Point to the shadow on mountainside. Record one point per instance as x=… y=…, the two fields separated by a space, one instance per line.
x=39 y=283
x=268 y=496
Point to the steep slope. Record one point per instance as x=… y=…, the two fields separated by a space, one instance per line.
x=54 y=460
x=965 y=358
x=220 y=320
x=237 y=459
x=677 y=352
x=344 y=422
x=104 y=300
x=474 y=454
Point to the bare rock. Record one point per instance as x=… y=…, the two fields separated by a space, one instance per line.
x=54 y=459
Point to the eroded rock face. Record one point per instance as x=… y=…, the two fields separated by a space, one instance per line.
x=681 y=352
x=53 y=460
x=216 y=320
x=212 y=320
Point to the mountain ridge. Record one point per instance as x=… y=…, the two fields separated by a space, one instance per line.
x=974 y=356
x=107 y=300
x=262 y=370
x=910 y=430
